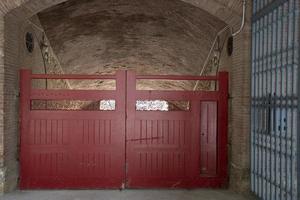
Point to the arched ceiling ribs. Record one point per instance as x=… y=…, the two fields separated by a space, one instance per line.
x=228 y=11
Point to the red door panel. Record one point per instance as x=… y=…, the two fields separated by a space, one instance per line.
x=208 y=131
x=158 y=151
x=73 y=153
x=72 y=149
x=163 y=148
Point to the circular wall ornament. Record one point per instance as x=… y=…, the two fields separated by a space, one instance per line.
x=29 y=42
x=230 y=46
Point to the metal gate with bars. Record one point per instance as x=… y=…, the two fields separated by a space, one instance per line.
x=275 y=100
x=123 y=146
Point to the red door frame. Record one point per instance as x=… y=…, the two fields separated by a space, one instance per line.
x=125 y=95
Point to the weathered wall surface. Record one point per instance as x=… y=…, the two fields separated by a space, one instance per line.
x=10 y=103
x=2 y=170
x=20 y=58
x=228 y=11
x=103 y=36
x=240 y=113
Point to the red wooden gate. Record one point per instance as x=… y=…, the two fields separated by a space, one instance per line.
x=177 y=149
x=124 y=147
x=72 y=149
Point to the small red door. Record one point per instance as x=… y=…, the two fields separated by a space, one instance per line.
x=208 y=131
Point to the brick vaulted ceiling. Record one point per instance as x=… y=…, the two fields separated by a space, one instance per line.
x=226 y=10
x=159 y=36
x=151 y=37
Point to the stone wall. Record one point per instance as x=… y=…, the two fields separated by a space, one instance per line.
x=11 y=109
x=16 y=57
x=240 y=112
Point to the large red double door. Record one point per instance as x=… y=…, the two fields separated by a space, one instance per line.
x=124 y=147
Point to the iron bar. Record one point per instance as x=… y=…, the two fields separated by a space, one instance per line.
x=274 y=120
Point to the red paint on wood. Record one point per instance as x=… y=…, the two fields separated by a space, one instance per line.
x=208 y=131
x=172 y=158
x=176 y=77
x=107 y=149
x=72 y=76
x=72 y=149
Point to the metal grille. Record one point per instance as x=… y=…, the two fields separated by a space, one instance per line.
x=274 y=127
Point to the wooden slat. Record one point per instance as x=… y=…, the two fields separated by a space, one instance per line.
x=175 y=95
x=177 y=77
x=162 y=115
x=71 y=76
x=72 y=94
x=73 y=114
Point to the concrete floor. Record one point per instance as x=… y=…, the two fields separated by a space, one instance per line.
x=124 y=195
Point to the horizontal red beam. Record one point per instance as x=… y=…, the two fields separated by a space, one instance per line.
x=176 y=95
x=177 y=77
x=71 y=76
x=162 y=115
x=75 y=114
x=143 y=77
x=40 y=94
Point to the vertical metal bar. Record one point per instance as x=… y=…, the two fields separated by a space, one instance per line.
x=271 y=21
x=280 y=102
x=269 y=89
x=256 y=108
x=292 y=99
x=268 y=105
x=253 y=70
x=258 y=97
x=298 y=96
x=293 y=162
x=261 y=125
x=264 y=103
x=273 y=78
x=253 y=109
x=292 y=103
x=275 y=99
x=286 y=98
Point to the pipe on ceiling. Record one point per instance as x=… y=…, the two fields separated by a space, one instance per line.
x=233 y=34
x=243 y=20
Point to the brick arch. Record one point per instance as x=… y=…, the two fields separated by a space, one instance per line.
x=14 y=12
x=228 y=11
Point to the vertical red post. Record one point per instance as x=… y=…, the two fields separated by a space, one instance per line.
x=121 y=90
x=25 y=88
x=121 y=110
x=194 y=142
x=223 y=125
x=130 y=120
